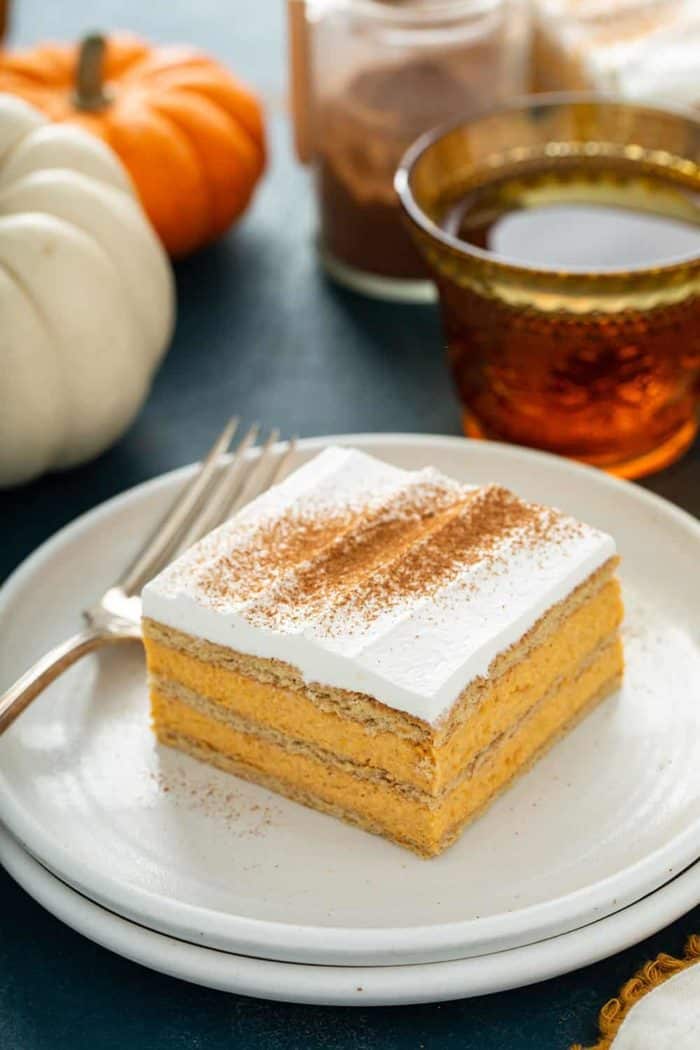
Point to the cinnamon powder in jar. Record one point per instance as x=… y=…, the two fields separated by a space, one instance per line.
x=363 y=131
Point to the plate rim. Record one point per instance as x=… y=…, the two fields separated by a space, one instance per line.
x=372 y=945
x=352 y=986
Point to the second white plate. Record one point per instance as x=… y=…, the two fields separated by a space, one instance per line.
x=609 y=815
x=353 y=985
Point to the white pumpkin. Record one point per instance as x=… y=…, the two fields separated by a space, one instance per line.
x=86 y=296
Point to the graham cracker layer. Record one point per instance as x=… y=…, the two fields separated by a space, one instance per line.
x=427 y=774
x=428 y=764
x=361 y=707
x=425 y=824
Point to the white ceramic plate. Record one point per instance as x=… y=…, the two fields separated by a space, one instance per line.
x=609 y=815
x=353 y=985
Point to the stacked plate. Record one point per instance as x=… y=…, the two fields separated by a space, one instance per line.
x=203 y=876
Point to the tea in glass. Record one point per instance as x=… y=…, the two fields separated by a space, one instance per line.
x=564 y=238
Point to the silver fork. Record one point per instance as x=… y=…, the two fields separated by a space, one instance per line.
x=218 y=490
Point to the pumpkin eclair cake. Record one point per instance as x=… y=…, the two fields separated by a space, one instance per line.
x=387 y=646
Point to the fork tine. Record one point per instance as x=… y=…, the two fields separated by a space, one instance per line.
x=223 y=490
x=281 y=465
x=274 y=474
x=159 y=544
x=254 y=482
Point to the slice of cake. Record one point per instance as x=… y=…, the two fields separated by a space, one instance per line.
x=391 y=647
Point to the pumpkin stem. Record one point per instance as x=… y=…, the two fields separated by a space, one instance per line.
x=90 y=93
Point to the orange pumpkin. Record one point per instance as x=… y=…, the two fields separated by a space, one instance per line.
x=189 y=134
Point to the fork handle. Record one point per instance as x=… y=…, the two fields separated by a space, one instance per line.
x=53 y=664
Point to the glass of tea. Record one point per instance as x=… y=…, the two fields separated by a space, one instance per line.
x=564 y=237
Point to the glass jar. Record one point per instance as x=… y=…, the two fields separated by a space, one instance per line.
x=636 y=49
x=565 y=331
x=370 y=76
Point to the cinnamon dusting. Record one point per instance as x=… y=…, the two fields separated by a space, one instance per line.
x=402 y=552
x=273 y=547
x=473 y=534
x=342 y=566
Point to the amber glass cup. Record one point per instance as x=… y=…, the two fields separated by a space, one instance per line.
x=601 y=365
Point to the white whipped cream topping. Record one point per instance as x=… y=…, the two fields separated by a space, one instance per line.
x=416 y=655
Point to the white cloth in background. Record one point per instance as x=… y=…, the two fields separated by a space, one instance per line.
x=667 y=1018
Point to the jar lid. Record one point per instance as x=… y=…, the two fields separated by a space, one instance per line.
x=422 y=10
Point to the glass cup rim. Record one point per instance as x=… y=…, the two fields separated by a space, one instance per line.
x=416 y=214
x=443 y=11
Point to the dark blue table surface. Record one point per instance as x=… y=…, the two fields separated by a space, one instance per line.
x=262 y=333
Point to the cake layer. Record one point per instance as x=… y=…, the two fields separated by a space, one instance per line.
x=403 y=586
x=423 y=822
x=564 y=638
